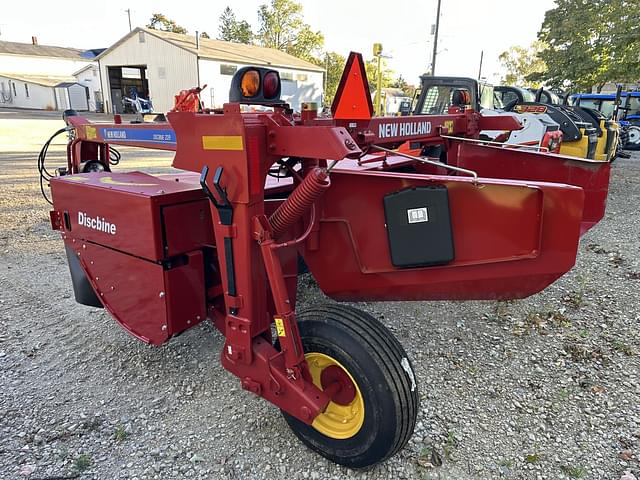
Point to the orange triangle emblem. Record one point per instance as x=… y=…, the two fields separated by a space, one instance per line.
x=353 y=100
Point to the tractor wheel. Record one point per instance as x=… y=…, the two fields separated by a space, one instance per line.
x=373 y=410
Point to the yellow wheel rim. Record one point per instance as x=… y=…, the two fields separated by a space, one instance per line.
x=337 y=421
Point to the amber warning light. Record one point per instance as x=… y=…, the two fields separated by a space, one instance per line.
x=255 y=85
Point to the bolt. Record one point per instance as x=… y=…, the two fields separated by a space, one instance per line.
x=197 y=317
x=97 y=278
x=112 y=288
x=84 y=246
x=91 y=262
x=188 y=322
x=164 y=327
x=161 y=294
x=349 y=144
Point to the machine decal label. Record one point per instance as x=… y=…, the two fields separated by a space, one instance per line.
x=139 y=135
x=530 y=108
x=91 y=132
x=448 y=125
x=111 y=181
x=222 y=142
x=403 y=129
x=96 y=223
x=418 y=215
x=280 y=327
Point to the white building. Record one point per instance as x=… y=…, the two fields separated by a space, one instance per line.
x=159 y=64
x=41 y=76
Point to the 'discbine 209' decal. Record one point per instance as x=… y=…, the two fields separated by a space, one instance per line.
x=125 y=134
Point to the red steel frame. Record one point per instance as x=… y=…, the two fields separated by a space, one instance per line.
x=536 y=225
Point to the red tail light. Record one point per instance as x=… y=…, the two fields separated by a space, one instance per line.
x=270 y=85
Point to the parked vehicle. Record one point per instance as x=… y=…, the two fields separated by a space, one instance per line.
x=628 y=117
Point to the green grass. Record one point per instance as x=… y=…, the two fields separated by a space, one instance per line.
x=120 y=433
x=532 y=458
x=450 y=445
x=574 y=471
x=82 y=463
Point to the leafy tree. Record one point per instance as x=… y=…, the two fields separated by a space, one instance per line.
x=204 y=35
x=402 y=84
x=282 y=28
x=159 y=22
x=371 y=66
x=521 y=63
x=590 y=43
x=233 y=30
x=334 y=64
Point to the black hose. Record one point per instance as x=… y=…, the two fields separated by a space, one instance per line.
x=45 y=175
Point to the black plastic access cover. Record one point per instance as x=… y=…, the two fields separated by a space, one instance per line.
x=419 y=227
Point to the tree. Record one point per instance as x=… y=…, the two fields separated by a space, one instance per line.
x=371 y=66
x=590 y=43
x=204 y=35
x=521 y=63
x=233 y=30
x=159 y=22
x=282 y=28
x=334 y=64
x=407 y=89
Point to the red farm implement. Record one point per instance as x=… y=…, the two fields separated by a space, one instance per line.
x=221 y=241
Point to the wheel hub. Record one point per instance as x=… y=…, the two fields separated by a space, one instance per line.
x=344 y=415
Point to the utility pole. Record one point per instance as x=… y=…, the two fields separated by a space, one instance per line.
x=480 y=69
x=128 y=10
x=435 y=41
x=377 y=52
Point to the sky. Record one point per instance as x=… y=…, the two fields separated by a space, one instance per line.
x=467 y=27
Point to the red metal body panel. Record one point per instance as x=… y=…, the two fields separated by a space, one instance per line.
x=142 y=195
x=511 y=239
x=187 y=227
x=136 y=291
x=497 y=162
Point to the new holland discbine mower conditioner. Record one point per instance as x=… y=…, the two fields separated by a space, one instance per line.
x=221 y=240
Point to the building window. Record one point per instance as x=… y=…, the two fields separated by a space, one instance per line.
x=226 y=69
x=131 y=72
x=301 y=77
x=26 y=90
x=13 y=84
x=141 y=38
x=286 y=76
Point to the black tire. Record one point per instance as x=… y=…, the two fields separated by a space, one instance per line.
x=383 y=373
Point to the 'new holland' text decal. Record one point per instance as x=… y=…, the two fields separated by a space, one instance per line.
x=404 y=129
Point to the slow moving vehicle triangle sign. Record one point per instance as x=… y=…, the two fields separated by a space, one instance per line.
x=353 y=100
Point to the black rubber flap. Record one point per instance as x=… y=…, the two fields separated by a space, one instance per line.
x=419 y=227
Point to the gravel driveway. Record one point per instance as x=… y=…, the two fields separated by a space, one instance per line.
x=544 y=388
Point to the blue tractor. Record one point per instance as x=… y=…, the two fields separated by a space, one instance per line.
x=625 y=107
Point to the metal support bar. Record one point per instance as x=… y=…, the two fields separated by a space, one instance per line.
x=430 y=162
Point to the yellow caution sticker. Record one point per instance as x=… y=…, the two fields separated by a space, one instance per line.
x=280 y=327
x=222 y=142
x=449 y=126
x=91 y=132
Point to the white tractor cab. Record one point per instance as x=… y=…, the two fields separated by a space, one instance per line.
x=586 y=132
x=437 y=94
